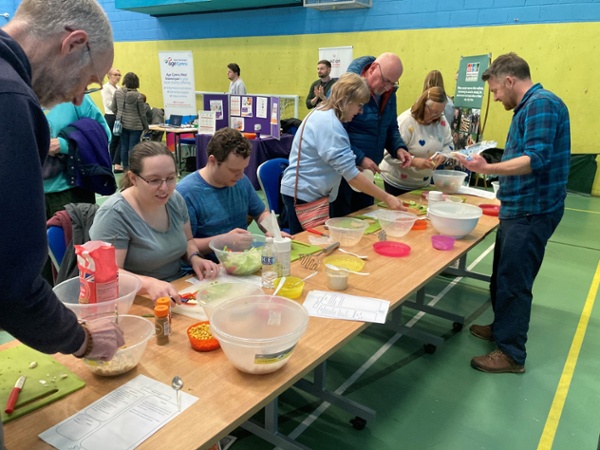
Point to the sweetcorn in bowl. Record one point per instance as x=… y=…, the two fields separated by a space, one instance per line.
x=239 y=254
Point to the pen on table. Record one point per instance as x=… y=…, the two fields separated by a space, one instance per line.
x=313 y=231
x=14 y=395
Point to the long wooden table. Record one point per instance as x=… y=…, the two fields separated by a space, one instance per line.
x=228 y=397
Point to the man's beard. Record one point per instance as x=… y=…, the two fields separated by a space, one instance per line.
x=52 y=85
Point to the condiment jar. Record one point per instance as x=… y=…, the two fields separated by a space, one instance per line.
x=161 y=324
x=337 y=280
x=167 y=302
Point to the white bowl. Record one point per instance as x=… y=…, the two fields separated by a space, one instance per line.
x=239 y=254
x=454 y=219
x=448 y=181
x=136 y=331
x=68 y=293
x=396 y=223
x=258 y=333
x=346 y=230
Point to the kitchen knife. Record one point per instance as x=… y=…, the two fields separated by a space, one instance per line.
x=14 y=395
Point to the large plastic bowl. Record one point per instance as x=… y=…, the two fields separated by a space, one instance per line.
x=239 y=253
x=448 y=181
x=136 y=331
x=454 y=219
x=258 y=333
x=346 y=230
x=216 y=293
x=396 y=223
x=68 y=293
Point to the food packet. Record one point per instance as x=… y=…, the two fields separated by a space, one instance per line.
x=98 y=272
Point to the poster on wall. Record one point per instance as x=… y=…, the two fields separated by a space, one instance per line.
x=339 y=57
x=468 y=99
x=177 y=75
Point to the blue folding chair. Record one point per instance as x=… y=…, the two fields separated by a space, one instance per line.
x=269 y=178
x=56 y=245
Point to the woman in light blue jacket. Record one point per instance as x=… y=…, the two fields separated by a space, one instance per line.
x=325 y=153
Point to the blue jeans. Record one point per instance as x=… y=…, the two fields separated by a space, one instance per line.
x=518 y=255
x=129 y=139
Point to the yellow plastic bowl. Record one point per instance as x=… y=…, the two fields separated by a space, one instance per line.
x=292 y=287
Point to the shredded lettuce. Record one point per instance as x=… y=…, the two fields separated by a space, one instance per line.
x=245 y=263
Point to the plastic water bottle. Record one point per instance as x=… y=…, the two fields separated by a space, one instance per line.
x=269 y=268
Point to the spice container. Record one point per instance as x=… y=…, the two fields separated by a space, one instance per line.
x=161 y=324
x=167 y=302
x=337 y=279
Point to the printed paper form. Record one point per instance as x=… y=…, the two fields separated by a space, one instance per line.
x=333 y=305
x=122 y=419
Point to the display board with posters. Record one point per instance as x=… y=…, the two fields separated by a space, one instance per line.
x=468 y=99
x=177 y=75
x=339 y=57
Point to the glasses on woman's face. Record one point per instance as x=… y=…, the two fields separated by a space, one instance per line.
x=157 y=182
x=432 y=114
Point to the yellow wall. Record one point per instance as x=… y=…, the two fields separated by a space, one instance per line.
x=562 y=57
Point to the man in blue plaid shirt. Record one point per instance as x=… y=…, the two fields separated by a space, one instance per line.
x=533 y=176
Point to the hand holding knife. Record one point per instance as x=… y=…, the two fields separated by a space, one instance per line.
x=14 y=394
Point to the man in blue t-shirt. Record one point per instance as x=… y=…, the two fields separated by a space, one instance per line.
x=219 y=197
x=533 y=177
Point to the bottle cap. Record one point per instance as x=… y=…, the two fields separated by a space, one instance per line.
x=283 y=244
x=161 y=311
x=164 y=301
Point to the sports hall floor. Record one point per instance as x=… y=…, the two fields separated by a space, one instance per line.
x=437 y=401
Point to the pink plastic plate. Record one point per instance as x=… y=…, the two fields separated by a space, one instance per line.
x=390 y=248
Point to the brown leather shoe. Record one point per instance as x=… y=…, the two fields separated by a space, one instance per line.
x=496 y=362
x=482 y=332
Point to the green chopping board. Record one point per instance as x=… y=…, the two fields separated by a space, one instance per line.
x=374 y=224
x=300 y=248
x=45 y=383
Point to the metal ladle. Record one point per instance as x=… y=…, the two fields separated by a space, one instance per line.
x=177 y=384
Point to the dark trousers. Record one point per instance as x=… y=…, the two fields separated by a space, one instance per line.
x=394 y=190
x=518 y=255
x=349 y=201
x=115 y=141
x=129 y=139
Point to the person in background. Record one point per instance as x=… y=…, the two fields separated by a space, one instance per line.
x=326 y=156
x=57 y=189
x=50 y=52
x=319 y=90
x=533 y=176
x=149 y=224
x=432 y=79
x=236 y=85
x=108 y=92
x=425 y=131
x=219 y=197
x=376 y=129
x=128 y=104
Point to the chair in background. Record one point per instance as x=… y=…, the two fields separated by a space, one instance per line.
x=269 y=176
x=56 y=245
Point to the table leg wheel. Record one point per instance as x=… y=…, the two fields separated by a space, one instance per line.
x=358 y=423
x=456 y=326
x=429 y=348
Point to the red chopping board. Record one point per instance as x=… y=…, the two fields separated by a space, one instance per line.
x=47 y=382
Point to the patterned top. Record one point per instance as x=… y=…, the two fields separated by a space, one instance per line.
x=540 y=129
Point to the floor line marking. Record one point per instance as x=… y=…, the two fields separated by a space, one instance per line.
x=562 y=390
x=379 y=353
x=582 y=210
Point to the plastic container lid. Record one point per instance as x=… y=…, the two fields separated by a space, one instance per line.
x=490 y=209
x=390 y=248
